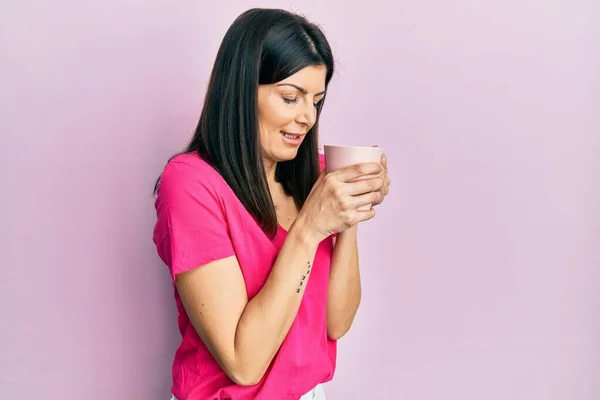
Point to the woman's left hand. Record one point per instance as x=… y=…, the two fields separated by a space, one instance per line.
x=386 y=180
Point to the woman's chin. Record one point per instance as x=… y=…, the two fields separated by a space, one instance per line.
x=285 y=155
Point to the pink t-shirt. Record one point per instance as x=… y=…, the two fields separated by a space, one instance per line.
x=199 y=220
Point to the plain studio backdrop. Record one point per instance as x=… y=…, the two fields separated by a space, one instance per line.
x=481 y=271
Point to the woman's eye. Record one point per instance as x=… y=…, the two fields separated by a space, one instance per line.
x=291 y=101
x=295 y=100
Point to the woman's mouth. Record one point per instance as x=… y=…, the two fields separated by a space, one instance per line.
x=293 y=139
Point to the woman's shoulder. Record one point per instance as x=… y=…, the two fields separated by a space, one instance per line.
x=190 y=165
x=187 y=170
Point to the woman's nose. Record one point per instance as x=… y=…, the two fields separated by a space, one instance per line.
x=307 y=115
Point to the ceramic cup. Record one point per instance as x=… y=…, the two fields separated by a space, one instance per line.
x=337 y=157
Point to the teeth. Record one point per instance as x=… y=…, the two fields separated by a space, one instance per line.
x=287 y=135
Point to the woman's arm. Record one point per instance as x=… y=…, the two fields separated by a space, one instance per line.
x=344 y=290
x=243 y=335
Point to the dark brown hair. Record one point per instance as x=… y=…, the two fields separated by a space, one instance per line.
x=262 y=46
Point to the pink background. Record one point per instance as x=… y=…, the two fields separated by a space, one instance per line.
x=481 y=272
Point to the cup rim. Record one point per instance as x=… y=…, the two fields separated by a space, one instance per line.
x=350 y=147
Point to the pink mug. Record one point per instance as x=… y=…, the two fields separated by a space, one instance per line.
x=337 y=157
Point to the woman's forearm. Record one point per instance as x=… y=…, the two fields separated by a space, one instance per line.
x=268 y=317
x=344 y=290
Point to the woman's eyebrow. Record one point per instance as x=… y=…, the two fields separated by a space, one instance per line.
x=304 y=91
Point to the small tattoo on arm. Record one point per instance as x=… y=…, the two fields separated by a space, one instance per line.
x=309 y=266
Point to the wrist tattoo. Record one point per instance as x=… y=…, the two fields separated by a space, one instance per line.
x=303 y=280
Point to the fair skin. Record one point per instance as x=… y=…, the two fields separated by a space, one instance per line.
x=242 y=334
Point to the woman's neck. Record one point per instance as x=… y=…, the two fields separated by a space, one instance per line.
x=270 y=167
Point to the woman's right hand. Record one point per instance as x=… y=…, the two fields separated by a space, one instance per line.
x=332 y=205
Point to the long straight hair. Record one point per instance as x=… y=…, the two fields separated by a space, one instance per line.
x=262 y=46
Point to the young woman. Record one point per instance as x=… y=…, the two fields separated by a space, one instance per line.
x=260 y=243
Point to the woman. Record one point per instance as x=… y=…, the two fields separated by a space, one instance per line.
x=246 y=222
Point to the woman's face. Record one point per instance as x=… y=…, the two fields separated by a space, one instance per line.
x=287 y=110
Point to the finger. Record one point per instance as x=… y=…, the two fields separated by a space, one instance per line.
x=362 y=216
x=358 y=170
x=382 y=194
x=386 y=187
x=384 y=161
x=363 y=186
x=367 y=198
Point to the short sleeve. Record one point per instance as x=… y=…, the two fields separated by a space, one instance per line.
x=191 y=228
